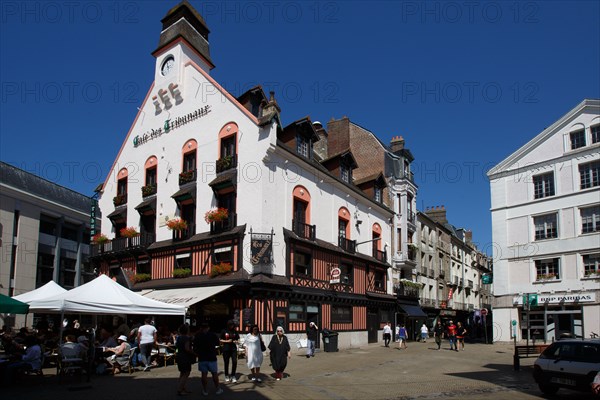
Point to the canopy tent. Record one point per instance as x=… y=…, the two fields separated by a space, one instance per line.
x=103 y=296
x=48 y=290
x=12 y=306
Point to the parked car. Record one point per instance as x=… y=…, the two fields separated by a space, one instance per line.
x=571 y=363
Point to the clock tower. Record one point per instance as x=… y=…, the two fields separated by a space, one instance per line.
x=184 y=37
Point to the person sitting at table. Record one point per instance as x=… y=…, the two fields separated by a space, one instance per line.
x=31 y=360
x=11 y=347
x=120 y=358
x=106 y=339
x=72 y=348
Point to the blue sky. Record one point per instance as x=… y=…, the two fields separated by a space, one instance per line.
x=465 y=83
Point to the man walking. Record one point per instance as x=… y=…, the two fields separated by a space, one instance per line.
x=451 y=330
x=461 y=331
x=402 y=335
x=312 y=335
x=387 y=334
x=438 y=332
x=147 y=339
x=205 y=347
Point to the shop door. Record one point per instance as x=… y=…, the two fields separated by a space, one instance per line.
x=372 y=326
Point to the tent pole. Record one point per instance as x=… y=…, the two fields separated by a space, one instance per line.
x=62 y=327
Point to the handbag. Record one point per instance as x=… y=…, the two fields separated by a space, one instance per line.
x=262 y=345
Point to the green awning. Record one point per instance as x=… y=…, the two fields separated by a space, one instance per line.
x=11 y=306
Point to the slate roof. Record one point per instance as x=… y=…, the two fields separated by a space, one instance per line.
x=27 y=182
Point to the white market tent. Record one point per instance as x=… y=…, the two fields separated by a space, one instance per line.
x=48 y=290
x=103 y=296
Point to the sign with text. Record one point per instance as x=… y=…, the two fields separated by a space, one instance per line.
x=261 y=248
x=335 y=275
x=543 y=299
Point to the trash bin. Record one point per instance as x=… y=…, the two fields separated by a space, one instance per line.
x=330 y=341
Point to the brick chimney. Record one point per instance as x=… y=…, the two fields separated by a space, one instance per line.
x=397 y=144
x=437 y=213
x=271 y=106
x=469 y=236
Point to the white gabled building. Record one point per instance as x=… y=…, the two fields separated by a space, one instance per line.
x=193 y=148
x=546 y=230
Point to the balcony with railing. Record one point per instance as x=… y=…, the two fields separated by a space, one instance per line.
x=404 y=289
x=303 y=230
x=149 y=190
x=347 y=245
x=410 y=216
x=187 y=177
x=184 y=233
x=224 y=225
x=412 y=253
x=380 y=255
x=122 y=244
x=226 y=163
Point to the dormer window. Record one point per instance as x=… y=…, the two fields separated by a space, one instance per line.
x=345 y=173
x=303 y=146
x=378 y=194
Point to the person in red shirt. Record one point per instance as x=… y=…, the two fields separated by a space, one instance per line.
x=451 y=330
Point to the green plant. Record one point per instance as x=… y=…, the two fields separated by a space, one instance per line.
x=220 y=269
x=148 y=189
x=218 y=214
x=411 y=284
x=119 y=199
x=129 y=232
x=546 y=277
x=100 y=238
x=177 y=224
x=142 y=278
x=182 y=272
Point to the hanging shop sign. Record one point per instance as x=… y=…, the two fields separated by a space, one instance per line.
x=170 y=125
x=335 y=273
x=261 y=248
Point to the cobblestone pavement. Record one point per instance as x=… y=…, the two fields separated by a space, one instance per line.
x=373 y=372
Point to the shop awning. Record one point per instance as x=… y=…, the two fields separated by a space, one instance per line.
x=118 y=213
x=146 y=206
x=185 y=296
x=413 y=311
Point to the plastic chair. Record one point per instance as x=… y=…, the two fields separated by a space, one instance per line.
x=130 y=367
x=69 y=363
x=166 y=353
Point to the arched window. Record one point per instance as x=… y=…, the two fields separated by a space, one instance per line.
x=188 y=168
x=344 y=223
x=150 y=176
x=301 y=213
x=376 y=236
x=227 y=157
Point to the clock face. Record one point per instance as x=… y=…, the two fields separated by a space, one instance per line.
x=167 y=66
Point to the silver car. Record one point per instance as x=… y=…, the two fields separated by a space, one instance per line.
x=571 y=364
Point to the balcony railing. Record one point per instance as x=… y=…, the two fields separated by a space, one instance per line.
x=183 y=234
x=431 y=272
x=412 y=253
x=116 y=245
x=442 y=273
x=120 y=199
x=303 y=230
x=149 y=190
x=404 y=290
x=225 y=225
x=225 y=163
x=187 y=177
x=347 y=244
x=379 y=255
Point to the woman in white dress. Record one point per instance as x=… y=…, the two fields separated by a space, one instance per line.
x=254 y=354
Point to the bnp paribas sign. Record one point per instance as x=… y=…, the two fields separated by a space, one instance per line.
x=170 y=125
x=567 y=298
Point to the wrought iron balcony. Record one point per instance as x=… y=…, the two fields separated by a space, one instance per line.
x=183 y=234
x=303 y=230
x=404 y=290
x=224 y=225
x=379 y=255
x=347 y=245
x=410 y=216
x=140 y=242
x=187 y=177
x=225 y=163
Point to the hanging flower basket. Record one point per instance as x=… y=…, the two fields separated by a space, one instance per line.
x=177 y=224
x=100 y=238
x=218 y=214
x=129 y=232
x=220 y=269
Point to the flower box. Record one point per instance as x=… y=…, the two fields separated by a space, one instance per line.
x=592 y=274
x=220 y=269
x=119 y=200
x=411 y=284
x=142 y=278
x=546 y=277
x=129 y=232
x=187 y=176
x=177 y=224
x=182 y=272
x=100 y=238
x=148 y=190
x=218 y=214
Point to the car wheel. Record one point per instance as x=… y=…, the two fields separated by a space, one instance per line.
x=548 y=388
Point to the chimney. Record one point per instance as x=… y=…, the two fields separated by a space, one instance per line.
x=438 y=214
x=397 y=144
x=469 y=236
x=320 y=147
x=271 y=106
